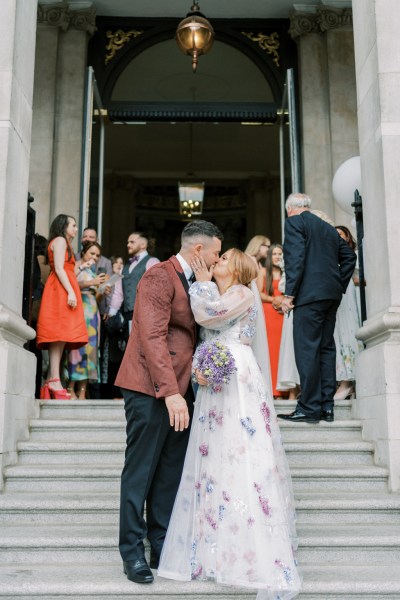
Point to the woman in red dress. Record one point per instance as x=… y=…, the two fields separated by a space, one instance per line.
x=61 y=323
x=268 y=281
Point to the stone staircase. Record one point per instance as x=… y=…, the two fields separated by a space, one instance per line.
x=59 y=512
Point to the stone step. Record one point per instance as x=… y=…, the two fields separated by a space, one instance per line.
x=114 y=431
x=348 y=508
x=343 y=408
x=112 y=453
x=114 y=409
x=82 y=409
x=107 y=582
x=318 y=544
x=81 y=478
x=103 y=508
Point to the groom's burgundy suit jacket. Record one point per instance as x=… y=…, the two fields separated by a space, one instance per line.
x=158 y=356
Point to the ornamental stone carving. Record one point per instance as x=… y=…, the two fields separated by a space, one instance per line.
x=324 y=19
x=84 y=20
x=54 y=14
x=61 y=15
x=332 y=18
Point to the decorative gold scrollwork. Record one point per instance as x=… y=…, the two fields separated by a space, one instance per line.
x=118 y=39
x=269 y=43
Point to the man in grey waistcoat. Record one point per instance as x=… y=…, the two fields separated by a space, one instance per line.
x=139 y=262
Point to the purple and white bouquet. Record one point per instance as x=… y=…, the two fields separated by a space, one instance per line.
x=216 y=363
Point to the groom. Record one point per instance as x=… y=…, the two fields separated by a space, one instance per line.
x=155 y=382
x=318 y=266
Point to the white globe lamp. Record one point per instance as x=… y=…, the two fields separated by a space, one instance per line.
x=346 y=181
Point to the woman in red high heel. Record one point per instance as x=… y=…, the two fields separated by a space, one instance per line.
x=61 y=323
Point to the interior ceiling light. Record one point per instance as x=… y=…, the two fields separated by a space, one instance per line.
x=191 y=197
x=194 y=34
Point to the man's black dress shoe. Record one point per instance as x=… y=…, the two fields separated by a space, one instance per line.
x=299 y=417
x=138 y=571
x=328 y=415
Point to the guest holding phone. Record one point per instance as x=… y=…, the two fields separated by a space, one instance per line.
x=83 y=364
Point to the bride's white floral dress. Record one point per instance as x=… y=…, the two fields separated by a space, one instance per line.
x=234 y=519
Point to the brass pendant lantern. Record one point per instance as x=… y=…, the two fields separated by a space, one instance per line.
x=194 y=34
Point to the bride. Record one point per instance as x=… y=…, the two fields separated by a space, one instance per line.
x=233 y=520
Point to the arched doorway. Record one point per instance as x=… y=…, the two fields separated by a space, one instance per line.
x=166 y=124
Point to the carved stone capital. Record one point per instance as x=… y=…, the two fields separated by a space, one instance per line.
x=56 y=14
x=84 y=20
x=302 y=24
x=62 y=15
x=333 y=18
x=324 y=19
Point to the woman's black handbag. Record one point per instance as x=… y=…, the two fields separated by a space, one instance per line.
x=118 y=326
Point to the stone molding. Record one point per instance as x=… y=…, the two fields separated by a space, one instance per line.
x=61 y=15
x=382 y=327
x=324 y=19
x=13 y=328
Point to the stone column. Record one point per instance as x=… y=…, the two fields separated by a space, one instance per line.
x=327 y=99
x=377 y=51
x=67 y=159
x=60 y=76
x=342 y=105
x=17 y=366
x=44 y=95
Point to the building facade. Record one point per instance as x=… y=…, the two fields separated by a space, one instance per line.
x=346 y=62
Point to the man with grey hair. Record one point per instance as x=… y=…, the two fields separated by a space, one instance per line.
x=155 y=381
x=318 y=267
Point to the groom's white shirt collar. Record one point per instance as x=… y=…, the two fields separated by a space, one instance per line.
x=187 y=269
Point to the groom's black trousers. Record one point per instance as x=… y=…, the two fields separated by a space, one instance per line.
x=315 y=353
x=154 y=459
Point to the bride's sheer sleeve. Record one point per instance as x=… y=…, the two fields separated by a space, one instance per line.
x=215 y=311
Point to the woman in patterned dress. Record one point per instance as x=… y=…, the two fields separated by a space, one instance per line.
x=83 y=364
x=233 y=520
x=347 y=322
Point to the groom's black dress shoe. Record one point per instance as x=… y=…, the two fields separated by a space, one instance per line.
x=138 y=571
x=299 y=417
x=328 y=415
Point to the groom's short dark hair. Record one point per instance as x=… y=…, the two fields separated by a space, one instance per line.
x=197 y=228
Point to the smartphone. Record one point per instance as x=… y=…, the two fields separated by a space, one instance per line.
x=101 y=270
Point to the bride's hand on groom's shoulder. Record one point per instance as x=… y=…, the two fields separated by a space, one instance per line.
x=202 y=273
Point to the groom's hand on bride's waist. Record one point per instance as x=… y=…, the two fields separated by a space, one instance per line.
x=177 y=411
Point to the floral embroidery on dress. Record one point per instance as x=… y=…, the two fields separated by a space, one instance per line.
x=210 y=485
x=203 y=449
x=264 y=502
x=215 y=418
x=210 y=519
x=266 y=413
x=248 y=425
x=216 y=313
x=287 y=572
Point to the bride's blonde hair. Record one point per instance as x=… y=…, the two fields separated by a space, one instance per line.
x=242 y=267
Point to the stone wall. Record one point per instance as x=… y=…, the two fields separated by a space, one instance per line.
x=17 y=366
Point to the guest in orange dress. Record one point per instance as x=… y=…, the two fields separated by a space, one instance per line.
x=268 y=281
x=61 y=323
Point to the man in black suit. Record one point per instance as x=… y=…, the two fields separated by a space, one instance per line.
x=318 y=266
